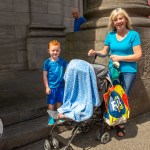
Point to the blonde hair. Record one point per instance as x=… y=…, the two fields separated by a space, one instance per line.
x=53 y=43
x=116 y=12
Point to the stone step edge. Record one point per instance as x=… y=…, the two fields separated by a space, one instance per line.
x=22 y=113
x=27 y=132
x=24 y=133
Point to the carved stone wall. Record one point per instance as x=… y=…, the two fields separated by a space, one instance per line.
x=51 y=21
x=26 y=26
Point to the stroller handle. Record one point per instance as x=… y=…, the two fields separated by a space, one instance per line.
x=99 y=55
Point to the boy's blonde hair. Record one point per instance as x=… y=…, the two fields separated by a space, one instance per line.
x=116 y=12
x=53 y=43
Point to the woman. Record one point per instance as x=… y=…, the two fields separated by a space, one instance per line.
x=124 y=46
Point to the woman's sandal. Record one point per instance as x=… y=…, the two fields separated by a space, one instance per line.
x=121 y=131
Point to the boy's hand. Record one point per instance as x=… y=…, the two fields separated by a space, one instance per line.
x=48 y=90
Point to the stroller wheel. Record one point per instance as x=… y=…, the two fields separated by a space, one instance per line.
x=55 y=143
x=47 y=145
x=105 y=137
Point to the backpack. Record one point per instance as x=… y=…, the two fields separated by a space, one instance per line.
x=117 y=107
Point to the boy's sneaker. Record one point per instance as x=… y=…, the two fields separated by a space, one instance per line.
x=51 y=121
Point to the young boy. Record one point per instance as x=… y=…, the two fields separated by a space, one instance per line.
x=53 y=73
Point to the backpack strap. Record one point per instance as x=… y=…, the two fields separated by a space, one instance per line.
x=107 y=95
x=111 y=88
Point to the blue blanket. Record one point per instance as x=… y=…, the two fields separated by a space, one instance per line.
x=81 y=93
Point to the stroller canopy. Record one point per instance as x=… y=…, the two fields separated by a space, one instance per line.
x=81 y=92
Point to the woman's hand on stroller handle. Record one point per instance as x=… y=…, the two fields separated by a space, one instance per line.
x=92 y=52
x=95 y=53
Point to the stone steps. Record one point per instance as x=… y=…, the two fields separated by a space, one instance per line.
x=23 y=112
x=22 y=108
x=24 y=133
x=38 y=145
x=24 y=123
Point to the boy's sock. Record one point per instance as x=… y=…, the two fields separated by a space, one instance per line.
x=51 y=121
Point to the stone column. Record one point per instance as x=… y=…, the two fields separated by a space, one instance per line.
x=46 y=23
x=93 y=33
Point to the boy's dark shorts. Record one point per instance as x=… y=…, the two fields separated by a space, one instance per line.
x=56 y=96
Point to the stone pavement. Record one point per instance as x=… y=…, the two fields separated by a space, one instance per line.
x=136 y=138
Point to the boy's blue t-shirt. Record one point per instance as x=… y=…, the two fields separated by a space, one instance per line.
x=123 y=48
x=78 y=22
x=55 y=72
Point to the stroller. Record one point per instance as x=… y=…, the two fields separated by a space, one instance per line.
x=99 y=83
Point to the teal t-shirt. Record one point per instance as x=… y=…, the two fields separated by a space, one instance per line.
x=123 y=48
x=55 y=72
